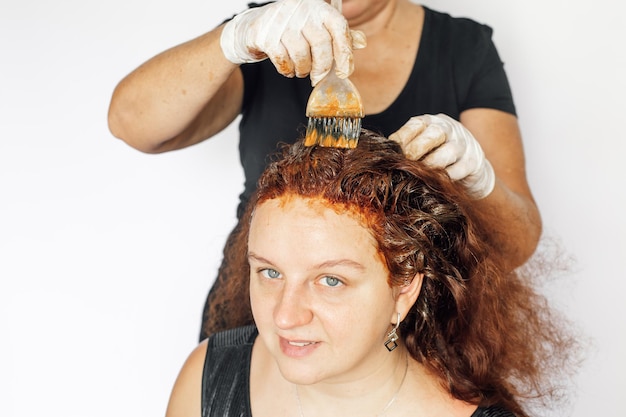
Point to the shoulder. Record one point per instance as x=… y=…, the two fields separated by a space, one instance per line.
x=456 y=25
x=225 y=380
x=228 y=352
x=240 y=336
x=221 y=356
x=185 y=397
x=466 y=47
x=461 y=36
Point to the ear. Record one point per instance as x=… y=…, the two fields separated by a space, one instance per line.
x=406 y=295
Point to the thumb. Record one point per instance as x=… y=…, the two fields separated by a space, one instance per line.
x=359 y=41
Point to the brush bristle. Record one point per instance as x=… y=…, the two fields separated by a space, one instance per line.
x=335 y=132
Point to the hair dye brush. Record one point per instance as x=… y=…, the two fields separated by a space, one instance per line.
x=334 y=110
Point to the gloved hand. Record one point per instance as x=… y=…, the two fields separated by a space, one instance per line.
x=300 y=37
x=444 y=142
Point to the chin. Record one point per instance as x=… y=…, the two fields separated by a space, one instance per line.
x=299 y=375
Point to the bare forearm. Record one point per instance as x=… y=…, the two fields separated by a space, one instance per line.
x=515 y=223
x=514 y=217
x=162 y=99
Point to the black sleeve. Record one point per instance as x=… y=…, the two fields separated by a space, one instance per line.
x=250 y=6
x=487 y=83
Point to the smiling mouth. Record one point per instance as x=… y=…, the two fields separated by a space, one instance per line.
x=301 y=344
x=298 y=348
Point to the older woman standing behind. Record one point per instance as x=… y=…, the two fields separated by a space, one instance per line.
x=417 y=62
x=374 y=291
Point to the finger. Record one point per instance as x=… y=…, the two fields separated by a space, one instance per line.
x=341 y=45
x=430 y=139
x=459 y=170
x=443 y=157
x=417 y=138
x=409 y=131
x=281 y=60
x=344 y=59
x=299 y=52
x=321 y=53
x=466 y=165
x=359 y=41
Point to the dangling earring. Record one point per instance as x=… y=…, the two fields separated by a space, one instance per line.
x=392 y=336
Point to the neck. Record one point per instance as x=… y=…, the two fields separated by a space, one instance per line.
x=374 y=19
x=374 y=393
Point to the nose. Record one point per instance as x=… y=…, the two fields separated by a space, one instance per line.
x=292 y=309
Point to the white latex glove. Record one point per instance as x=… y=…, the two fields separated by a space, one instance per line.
x=444 y=142
x=300 y=37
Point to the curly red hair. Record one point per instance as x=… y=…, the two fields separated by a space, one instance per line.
x=487 y=334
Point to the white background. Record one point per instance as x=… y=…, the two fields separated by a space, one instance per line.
x=106 y=254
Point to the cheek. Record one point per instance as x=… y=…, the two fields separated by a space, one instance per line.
x=362 y=325
x=263 y=302
x=370 y=321
x=260 y=301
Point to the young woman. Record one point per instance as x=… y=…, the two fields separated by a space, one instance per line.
x=373 y=291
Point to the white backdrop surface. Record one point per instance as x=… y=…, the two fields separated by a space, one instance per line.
x=106 y=254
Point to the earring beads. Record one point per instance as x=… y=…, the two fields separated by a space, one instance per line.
x=392 y=336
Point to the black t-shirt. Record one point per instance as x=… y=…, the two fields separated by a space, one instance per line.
x=457 y=68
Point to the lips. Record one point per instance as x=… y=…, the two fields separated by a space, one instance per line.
x=297 y=348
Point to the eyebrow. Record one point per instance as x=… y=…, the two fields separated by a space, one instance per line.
x=341 y=262
x=252 y=255
x=326 y=264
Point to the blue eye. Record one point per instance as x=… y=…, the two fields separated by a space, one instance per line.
x=270 y=273
x=331 y=281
